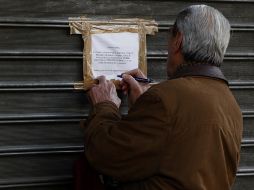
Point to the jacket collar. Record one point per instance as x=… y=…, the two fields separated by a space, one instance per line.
x=200 y=70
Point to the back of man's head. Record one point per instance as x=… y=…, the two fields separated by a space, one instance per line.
x=206 y=34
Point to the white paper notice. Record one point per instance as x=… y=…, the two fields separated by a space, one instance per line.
x=114 y=53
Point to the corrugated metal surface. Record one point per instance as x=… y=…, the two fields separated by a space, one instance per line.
x=40 y=61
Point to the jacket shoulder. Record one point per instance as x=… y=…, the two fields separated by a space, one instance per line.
x=168 y=87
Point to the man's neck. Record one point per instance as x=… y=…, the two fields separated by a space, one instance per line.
x=191 y=64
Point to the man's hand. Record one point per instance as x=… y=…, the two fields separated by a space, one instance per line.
x=131 y=87
x=104 y=91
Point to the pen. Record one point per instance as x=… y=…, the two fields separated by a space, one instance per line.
x=139 y=79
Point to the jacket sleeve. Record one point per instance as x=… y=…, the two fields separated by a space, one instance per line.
x=130 y=148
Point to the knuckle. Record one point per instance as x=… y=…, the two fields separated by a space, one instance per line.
x=127 y=77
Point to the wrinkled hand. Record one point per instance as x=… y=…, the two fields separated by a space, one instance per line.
x=133 y=88
x=104 y=91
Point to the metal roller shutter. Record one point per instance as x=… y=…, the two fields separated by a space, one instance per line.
x=40 y=61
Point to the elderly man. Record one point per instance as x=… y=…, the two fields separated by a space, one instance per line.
x=184 y=133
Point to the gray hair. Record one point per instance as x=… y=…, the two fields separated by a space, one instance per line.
x=206 y=34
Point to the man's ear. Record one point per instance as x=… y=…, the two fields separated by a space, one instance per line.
x=178 y=39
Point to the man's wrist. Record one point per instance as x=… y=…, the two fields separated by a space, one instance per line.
x=104 y=110
x=105 y=105
x=117 y=104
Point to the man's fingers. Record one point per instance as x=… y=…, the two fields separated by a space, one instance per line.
x=135 y=73
x=105 y=91
x=123 y=84
x=130 y=80
x=124 y=87
x=101 y=79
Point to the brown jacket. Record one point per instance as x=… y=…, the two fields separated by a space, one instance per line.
x=183 y=133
